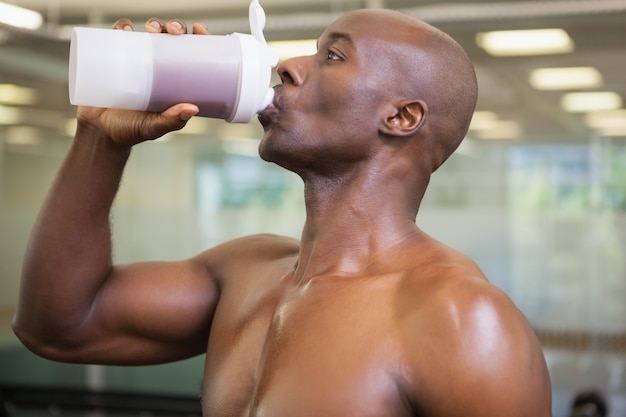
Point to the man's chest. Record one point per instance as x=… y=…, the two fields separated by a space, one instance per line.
x=321 y=352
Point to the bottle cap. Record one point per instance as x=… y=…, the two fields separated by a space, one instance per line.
x=257 y=60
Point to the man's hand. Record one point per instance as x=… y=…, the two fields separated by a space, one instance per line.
x=126 y=127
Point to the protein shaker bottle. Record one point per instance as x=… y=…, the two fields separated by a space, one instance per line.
x=227 y=77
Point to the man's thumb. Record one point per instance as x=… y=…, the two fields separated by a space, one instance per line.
x=176 y=117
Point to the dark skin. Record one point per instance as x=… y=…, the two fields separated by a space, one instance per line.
x=366 y=315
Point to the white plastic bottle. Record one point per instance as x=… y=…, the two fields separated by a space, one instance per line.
x=227 y=77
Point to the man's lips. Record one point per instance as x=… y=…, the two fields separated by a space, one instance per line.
x=278 y=91
x=268 y=114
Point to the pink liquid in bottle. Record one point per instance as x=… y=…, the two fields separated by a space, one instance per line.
x=207 y=76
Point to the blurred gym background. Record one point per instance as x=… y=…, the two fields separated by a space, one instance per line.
x=536 y=194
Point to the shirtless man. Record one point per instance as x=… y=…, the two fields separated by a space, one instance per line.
x=365 y=316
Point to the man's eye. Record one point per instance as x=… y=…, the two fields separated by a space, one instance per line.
x=333 y=56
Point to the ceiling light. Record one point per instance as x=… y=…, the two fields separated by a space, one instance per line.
x=23 y=135
x=10 y=115
x=20 y=17
x=525 y=42
x=501 y=129
x=591 y=101
x=68 y=128
x=483 y=120
x=614 y=118
x=16 y=95
x=565 y=78
x=612 y=131
x=608 y=123
x=290 y=49
x=487 y=125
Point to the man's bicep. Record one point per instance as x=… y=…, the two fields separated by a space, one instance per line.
x=162 y=311
x=150 y=313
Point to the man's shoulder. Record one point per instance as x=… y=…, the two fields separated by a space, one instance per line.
x=448 y=298
x=441 y=272
x=462 y=334
x=249 y=256
x=451 y=286
x=258 y=246
x=267 y=240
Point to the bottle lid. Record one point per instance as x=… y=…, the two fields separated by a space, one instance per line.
x=256 y=17
x=258 y=59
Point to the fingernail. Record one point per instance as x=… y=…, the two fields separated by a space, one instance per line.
x=176 y=24
x=155 y=24
x=128 y=28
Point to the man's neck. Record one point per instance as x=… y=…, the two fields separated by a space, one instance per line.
x=353 y=222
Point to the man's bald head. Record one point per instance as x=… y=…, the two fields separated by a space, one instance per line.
x=423 y=63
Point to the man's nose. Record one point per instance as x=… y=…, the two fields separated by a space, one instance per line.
x=293 y=71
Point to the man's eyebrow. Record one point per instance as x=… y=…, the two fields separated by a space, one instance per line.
x=337 y=36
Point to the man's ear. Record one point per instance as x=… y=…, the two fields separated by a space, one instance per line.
x=405 y=118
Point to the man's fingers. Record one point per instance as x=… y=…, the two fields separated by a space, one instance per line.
x=123 y=24
x=176 y=27
x=155 y=25
x=200 y=29
x=173 y=26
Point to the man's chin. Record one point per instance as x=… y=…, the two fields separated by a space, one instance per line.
x=268 y=151
x=264 y=152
